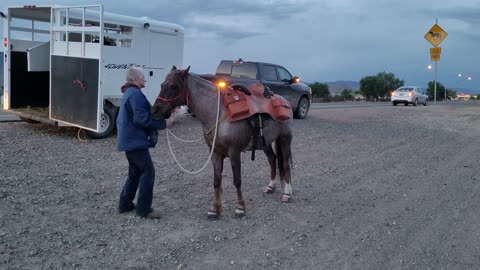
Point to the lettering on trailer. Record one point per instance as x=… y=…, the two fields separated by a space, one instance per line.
x=119 y=66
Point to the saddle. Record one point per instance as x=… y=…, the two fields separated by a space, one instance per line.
x=242 y=102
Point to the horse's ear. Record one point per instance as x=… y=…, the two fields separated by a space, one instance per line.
x=185 y=72
x=174 y=68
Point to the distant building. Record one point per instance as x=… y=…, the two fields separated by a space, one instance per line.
x=464 y=96
x=359 y=97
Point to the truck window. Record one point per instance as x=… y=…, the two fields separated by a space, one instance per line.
x=245 y=70
x=225 y=68
x=269 y=73
x=284 y=74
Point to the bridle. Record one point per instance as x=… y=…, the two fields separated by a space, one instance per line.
x=169 y=100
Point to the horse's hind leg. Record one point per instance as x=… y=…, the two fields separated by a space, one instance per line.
x=284 y=153
x=272 y=160
x=216 y=210
x=235 y=160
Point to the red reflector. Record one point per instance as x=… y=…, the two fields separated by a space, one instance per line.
x=5 y=42
x=239 y=61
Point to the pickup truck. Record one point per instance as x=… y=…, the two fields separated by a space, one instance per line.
x=276 y=77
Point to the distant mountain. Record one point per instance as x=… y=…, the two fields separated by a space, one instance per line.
x=339 y=86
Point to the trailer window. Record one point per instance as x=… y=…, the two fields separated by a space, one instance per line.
x=113 y=34
x=31 y=30
x=119 y=35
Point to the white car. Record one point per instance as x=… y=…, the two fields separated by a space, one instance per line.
x=409 y=95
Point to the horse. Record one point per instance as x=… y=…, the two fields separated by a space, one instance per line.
x=434 y=35
x=201 y=97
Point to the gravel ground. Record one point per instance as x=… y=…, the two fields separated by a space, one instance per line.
x=374 y=188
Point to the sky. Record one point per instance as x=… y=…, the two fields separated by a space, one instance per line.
x=321 y=40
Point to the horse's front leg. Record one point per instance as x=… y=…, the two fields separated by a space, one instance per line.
x=235 y=160
x=284 y=164
x=216 y=210
x=272 y=160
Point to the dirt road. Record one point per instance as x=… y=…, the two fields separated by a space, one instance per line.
x=374 y=188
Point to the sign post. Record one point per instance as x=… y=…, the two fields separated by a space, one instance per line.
x=435 y=36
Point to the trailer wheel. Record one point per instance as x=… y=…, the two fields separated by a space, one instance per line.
x=107 y=124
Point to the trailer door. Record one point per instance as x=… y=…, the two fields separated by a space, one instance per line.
x=75 y=57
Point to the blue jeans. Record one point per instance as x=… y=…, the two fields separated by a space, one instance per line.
x=141 y=176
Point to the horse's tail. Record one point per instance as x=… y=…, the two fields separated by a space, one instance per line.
x=281 y=157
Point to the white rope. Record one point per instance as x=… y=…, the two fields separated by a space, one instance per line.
x=182 y=140
x=213 y=144
x=78 y=135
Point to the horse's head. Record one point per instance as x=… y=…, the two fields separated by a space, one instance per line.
x=173 y=93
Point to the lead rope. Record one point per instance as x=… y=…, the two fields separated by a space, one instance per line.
x=213 y=144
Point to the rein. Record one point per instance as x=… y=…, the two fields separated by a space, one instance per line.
x=217 y=122
x=168 y=100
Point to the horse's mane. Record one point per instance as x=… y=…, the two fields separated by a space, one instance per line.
x=202 y=85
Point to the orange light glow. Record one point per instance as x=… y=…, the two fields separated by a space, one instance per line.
x=222 y=84
x=410 y=94
x=297 y=80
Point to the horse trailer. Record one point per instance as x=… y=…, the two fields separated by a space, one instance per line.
x=64 y=65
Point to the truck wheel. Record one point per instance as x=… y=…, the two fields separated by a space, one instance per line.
x=107 y=124
x=303 y=107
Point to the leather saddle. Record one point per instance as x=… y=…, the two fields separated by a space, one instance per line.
x=242 y=102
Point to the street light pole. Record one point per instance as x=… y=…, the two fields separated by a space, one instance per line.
x=435 y=85
x=445 y=98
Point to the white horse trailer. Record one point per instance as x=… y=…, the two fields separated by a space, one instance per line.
x=65 y=65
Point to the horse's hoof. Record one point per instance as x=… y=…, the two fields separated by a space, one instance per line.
x=286 y=198
x=212 y=215
x=269 y=190
x=239 y=213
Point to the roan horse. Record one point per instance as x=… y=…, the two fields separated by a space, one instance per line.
x=201 y=97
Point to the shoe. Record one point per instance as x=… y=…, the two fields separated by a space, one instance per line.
x=154 y=214
x=125 y=210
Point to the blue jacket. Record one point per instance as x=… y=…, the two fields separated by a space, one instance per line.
x=135 y=127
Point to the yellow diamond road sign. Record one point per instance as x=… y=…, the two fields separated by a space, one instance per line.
x=435 y=35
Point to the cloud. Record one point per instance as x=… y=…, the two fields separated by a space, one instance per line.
x=319 y=40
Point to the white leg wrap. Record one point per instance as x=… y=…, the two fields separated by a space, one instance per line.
x=288 y=189
x=272 y=183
